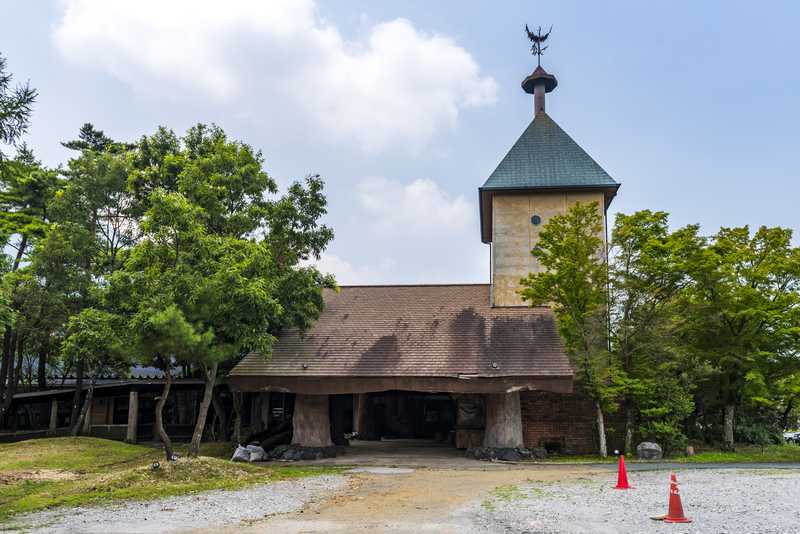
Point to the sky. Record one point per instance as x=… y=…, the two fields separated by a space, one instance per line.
x=405 y=108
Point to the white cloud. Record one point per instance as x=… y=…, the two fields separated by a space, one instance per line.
x=396 y=85
x=420 y=209
x=348 y=274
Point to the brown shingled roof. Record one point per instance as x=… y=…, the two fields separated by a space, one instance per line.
x=420 y=331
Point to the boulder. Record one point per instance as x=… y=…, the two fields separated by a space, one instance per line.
x=241 y=454
x=257 y=454
x=647 y=450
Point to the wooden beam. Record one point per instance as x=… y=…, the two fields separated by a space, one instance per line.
x=53 y=416
x=331 y=385
x=133 y=417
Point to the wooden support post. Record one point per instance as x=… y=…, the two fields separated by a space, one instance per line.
x=265 y=410
x=311 y=422
x=53 y=416
x=503 y=421
x=364 y=424
x=131 y=435
x=87 y=421
x=260 y=412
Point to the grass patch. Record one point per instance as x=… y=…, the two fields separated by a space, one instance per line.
x=509 y=493
x=747 y=454
x=44 y=473
x=788 y=453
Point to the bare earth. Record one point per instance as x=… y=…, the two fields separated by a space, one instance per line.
x=422 y=500
x=414 y=487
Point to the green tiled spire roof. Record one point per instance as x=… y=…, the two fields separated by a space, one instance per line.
x=546 y=157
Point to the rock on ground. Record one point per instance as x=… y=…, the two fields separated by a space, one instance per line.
x=188 y=512
x=764 y=501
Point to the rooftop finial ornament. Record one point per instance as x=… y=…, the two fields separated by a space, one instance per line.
x=537 y=39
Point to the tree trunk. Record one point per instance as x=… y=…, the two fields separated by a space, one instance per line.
x=41 y=374
x=6 y=364
x=76 y=426
x=162 y=434
x=786 y=413
x=503 y=421
x=11 y=374
x=76 y=398
x=601 y=430
x=219 y=413
x=728 y=427
x=629 y=424
x=23 y=244
x=200 y=424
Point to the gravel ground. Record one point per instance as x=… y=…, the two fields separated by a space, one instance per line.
x=729 y=501
x=189 y=512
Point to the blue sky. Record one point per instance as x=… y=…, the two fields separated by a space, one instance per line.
x=406 y=107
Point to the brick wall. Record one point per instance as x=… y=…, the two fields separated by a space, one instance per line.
x=567 y=419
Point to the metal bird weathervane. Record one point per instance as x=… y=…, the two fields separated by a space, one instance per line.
x=537 y=39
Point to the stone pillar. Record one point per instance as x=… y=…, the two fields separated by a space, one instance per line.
x=133 y=417
x=311 y=424
x=53 y=416
x=87 y=421
x=503 y=421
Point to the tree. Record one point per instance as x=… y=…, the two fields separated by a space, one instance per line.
x=26 y=188
x=92 y=337
x=16 y=106
x=647 y=275
x=574 y=280
x=95 y=198
x=241 y=250
x=92 y=139
x=744 y=320
x=165 y=337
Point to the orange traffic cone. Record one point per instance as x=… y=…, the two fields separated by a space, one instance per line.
x=675 y=511
x=622 y=475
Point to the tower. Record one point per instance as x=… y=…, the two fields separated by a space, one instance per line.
x=543 y=174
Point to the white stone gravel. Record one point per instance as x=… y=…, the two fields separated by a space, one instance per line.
x=207 y=510
x=718 y=501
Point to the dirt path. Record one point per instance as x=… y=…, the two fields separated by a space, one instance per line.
x=405 y=500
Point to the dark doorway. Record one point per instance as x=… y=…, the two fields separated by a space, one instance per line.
x=412 y=415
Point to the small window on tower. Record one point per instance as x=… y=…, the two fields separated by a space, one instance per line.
x=536 y=220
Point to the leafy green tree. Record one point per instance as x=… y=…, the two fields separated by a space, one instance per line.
x=95 y=198
x=16 y=106
x=92 y=337
x=744 y=320
x=92 y=139
x=574 y=280
x=26 y=189
x=163 y=335
x=647 y=275
x=60 y=284
x=242 y=251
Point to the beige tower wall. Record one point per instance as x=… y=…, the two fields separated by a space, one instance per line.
x=514 y=235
